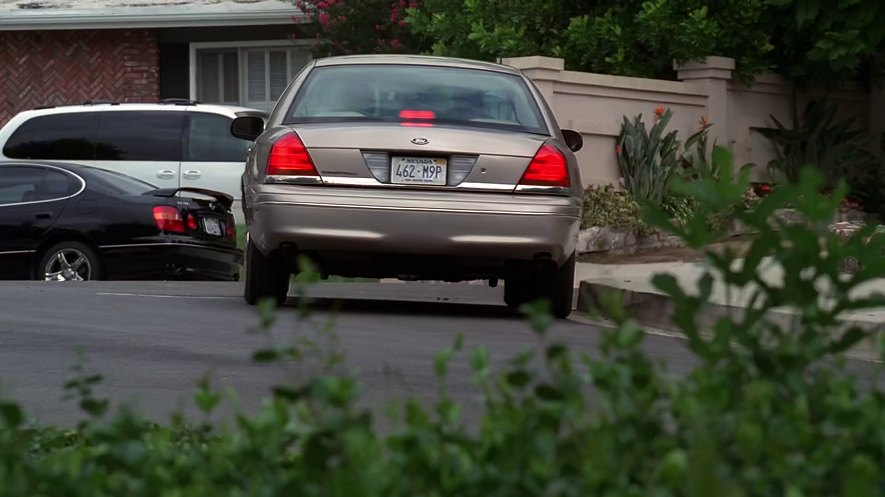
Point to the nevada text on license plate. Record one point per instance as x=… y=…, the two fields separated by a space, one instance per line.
x=418 y=171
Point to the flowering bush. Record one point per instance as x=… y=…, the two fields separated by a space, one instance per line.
x=369 y=26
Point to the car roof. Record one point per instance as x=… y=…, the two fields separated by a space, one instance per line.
x=421 y=60
x=227 y=110
x=71 y=166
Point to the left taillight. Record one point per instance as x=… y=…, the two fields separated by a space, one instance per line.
x=168 y=219
x=231 y=230
x=289 y=157
x=548 y=168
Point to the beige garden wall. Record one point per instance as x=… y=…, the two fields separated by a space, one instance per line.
x=595 y=105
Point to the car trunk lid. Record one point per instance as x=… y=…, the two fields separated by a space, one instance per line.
x=419 y=156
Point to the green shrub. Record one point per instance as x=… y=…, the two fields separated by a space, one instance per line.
x=605 y=206
x=647 y=158
x=766 y=410
x=836 y=148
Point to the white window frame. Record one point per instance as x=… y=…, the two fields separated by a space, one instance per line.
x=240 y=46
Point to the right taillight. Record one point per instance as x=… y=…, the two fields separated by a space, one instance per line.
x=168 y=219
x=548 y=168
x=289 y=157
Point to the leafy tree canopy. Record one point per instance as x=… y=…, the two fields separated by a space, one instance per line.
x=822 y=42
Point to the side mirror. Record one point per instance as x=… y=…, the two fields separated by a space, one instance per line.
x=573 y=140
x=247 y=128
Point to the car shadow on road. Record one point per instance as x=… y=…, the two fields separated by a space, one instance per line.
x=414 y=308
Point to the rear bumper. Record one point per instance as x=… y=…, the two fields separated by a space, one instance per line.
x=171 y=260
x=499 y=226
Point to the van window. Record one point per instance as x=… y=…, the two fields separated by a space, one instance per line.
x=69 y=136
x=140 y=136
x=210 y=140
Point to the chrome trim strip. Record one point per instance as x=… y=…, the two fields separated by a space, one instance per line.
x=293 y=180
x=372 y=182
x=343 y=181
x=541 y=189
x=14 y=252
x=165 y=244
x=415 y=209
x=64 y=171
x=485 y=186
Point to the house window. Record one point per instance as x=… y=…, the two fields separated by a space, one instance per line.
x=251 y=76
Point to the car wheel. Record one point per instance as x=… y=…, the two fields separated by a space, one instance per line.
x=69 y=261
x=557 y=284
x=265 y=277
x=516 y=290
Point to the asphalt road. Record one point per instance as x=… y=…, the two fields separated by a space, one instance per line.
x=153 y=340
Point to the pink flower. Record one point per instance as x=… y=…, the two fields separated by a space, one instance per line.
x=323 y=18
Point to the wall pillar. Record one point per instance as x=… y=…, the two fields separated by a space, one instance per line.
x=711 y=77
x=543 y=71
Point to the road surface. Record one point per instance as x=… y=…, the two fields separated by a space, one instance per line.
x=153 y=340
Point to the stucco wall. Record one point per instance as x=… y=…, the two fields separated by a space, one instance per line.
x=595 y=105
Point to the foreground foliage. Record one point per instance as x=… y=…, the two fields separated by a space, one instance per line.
x=767 y=410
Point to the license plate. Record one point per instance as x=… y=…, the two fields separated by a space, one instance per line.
x=417 y=171
x=212 y=226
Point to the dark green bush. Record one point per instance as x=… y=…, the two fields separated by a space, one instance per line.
x=769 y=410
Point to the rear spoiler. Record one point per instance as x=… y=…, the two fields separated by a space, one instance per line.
x=224 y=199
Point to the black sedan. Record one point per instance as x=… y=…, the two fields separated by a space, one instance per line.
x=62 y=222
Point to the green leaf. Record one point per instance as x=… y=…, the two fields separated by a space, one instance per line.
x=266 y=355
x=668 y=284
x=851 y=338
x=549 y=393
x=441 y=362
x=519 y=378
x=12 y=414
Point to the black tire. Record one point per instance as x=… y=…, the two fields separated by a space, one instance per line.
x=516 y=290
x=265 y=277
x=559 y=286
x=556 y=284
x=69 y=261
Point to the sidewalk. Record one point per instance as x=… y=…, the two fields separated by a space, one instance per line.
x=652 y=308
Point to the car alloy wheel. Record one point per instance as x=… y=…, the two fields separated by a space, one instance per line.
x=69 y=261
x=68 y=265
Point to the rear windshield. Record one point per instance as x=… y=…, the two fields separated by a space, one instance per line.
x=431 y=95
x=114 y=183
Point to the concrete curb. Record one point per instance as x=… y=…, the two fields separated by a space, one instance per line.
x=656 y=310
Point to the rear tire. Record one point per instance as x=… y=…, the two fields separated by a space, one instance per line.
x=69 y=261
x=556 y=284
x=265 y=276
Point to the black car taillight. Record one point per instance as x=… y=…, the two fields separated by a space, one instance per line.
x=192 y=222
x=168 y=219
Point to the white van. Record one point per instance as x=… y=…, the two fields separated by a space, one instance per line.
x=171 y=144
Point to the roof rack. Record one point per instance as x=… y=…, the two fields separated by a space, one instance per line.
x=178 y=101
x=101 y=102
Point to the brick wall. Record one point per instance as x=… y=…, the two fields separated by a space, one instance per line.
x=70 y=67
